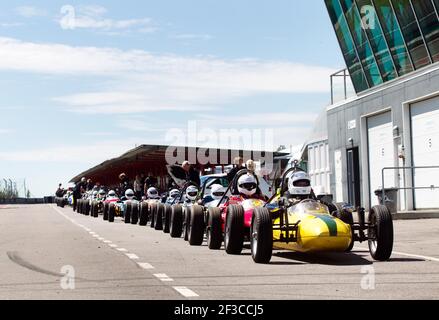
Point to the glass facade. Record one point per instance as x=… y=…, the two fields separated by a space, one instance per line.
x=384 y=39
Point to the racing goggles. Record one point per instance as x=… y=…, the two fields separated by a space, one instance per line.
x=192 y=194
x=218 y=194
x=249 y=186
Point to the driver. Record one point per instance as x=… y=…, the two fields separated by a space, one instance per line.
x=248 y=187
x=152 y=194
x=216 y=194
x=299 y=187
x=129 y=194
x=191 y=193
x=112 y=194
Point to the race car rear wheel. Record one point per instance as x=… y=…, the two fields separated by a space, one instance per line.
x=176 y=221
x=261 y=236
x=87 y=207
x=111 y=212
x=152 y=213
x=234 y=230
x=134 y=213
x=128 y=206
x=95 y=209
x=214 y=229
x=167 y=218
x=196 y=226
x=159 y=217
x=143 y=214
x=105 y=211
x=380 y=233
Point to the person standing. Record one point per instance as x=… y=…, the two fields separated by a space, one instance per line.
x=238 y=162
x=124 y=184
x=79 y=188
x=192 y=174
x=138 y=187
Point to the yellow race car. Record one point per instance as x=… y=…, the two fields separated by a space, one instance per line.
x=311 y=225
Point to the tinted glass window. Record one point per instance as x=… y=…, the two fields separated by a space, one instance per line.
x=429 y=24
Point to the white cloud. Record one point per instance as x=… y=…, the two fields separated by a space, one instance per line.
x=30 y=11
x=10 y=24
x=93 y=17
x=190 y=36
x=141 y=81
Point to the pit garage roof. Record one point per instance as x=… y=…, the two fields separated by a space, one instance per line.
x=151 y=160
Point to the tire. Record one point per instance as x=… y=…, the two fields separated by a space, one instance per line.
x=143 y=214
x=346 y=217
x=234 y=230
x=186 y=222
x=79 y=206
x=96 y=212
x=152 y=214
x=196 y=226
x=261 y=236
x=111 y=212
x=87 y=207
x=106 y=206
x=381 y=247
x=127 y=212
x=167 y=218
x=160 y=210
x=176 y=228
x=134 y=213
x=61 y=203
x=214 y=229
x=92 y=209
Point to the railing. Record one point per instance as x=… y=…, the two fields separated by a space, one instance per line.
x=432 y=187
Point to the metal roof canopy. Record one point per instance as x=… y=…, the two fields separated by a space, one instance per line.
x=151 y=160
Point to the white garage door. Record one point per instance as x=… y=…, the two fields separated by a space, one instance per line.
x=381 y=153
x=425 y=144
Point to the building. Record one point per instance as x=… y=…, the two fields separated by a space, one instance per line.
x=391 y=50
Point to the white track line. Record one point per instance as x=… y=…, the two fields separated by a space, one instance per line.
x=145 y=266
x=112 y=245
x=163 y=277
x=132 y=256
x=185 y=292
x=108 y=241
x=416 y=256
x=122 y=249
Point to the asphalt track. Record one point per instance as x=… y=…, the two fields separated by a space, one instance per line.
x=53 y=253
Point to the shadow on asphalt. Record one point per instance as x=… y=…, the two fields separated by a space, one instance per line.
x=333 y=259
x=405 y=260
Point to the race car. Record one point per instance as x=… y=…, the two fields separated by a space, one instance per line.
x=180 y=211
x=173 y=198
x=295 y=220
x=231 y=218
x=97 y=204
x=148 y=208
x=121 y=207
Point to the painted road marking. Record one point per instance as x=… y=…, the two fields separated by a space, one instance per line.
x=416 y=256
x=112 y=245
x=163 y=277
x=96 y=236
x=185 y=292
x=145 y=265
x=107 y=241
x=122 y=249
x=132 y=256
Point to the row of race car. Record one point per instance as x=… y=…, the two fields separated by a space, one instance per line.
x=231 y=214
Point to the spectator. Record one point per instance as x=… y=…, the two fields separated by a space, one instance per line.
x=192 y=174
x=150 y=182
x=77 y=192
x=124 y=184
x=138 y=187
x=89 y=186
x=238 y=162
x=60 y=191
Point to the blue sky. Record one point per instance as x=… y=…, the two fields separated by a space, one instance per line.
x=126 y=72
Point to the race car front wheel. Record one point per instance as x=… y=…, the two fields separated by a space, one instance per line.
x=134 y=213
x=234 y=230
x=159 y=217
x=380 y=233
x=186 y=222
x=176 y=221
x=105 y=211
x=261 y=236
x=152 y=214
x=167 y=218
x=111 y=212
x=196 y=226
x=143 y=214
x=214 y=229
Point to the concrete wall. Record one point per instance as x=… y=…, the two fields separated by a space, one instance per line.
x=393 y=95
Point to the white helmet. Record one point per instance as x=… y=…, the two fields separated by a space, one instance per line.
x=95 y=193
x=152 y=193
x=175 y=193
x=112 y=193
x=247 y=185
x=217 y=191
x=102 y=192
x=191 y=193
x=299 y=184
x=129 y=194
